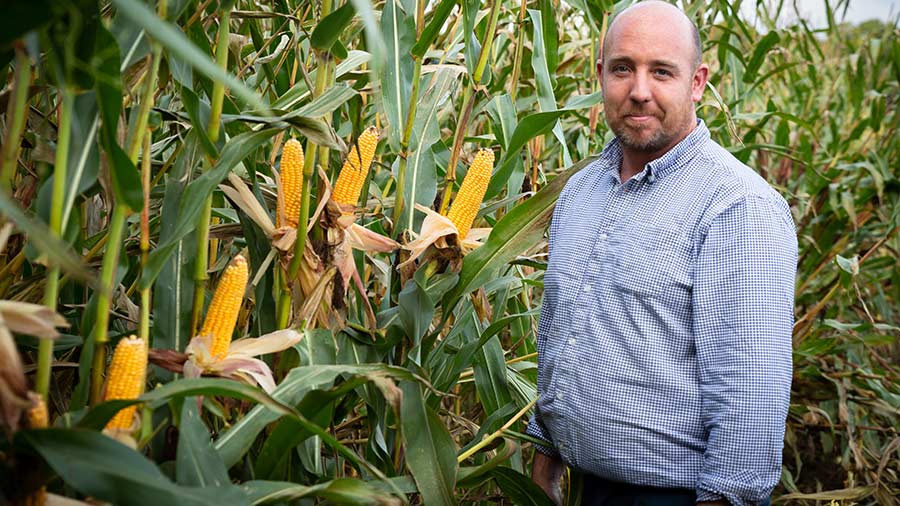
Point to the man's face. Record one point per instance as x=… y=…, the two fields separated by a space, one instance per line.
x=649 y=84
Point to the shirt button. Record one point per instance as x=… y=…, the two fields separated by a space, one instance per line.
x=572 y=341
x=603 y=236
x=559 y=396
x=587 y=288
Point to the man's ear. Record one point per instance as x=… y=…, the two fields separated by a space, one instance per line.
x=599 y=68
x=698 y=83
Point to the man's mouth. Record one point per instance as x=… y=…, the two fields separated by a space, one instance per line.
x=639 y=118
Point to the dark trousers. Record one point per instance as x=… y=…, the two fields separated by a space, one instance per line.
x=600 y=492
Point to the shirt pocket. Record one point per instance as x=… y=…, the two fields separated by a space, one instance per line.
x=644 y=261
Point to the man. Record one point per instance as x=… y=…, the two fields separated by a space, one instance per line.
x=664 y=342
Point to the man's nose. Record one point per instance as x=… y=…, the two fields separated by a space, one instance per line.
x=640 y=87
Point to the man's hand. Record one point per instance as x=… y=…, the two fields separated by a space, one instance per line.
x=546 y=472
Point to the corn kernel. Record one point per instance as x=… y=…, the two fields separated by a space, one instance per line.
x=467 y=201
x=356 y=168
x=127 y=374
x=222 y=314
x=291 y=182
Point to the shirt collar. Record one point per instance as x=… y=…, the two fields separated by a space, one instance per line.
x=611 y=156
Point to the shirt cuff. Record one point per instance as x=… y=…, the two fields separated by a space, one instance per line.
x=536 y=429
x=706 y=495
x=734 y=497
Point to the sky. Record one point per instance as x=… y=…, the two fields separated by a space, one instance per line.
x=858 y=11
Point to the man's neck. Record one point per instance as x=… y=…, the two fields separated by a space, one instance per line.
x=634 y=161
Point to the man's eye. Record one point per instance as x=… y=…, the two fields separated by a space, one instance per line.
x=620 y=68
x=662 y=73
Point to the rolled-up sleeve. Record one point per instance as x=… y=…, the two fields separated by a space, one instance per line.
x=743 y=301
x=536 y=429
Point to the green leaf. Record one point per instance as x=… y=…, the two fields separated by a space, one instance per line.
x=519 y=488
x=198 y=112
x=211 y=386
x=517 y=231
x=105 y=469
x=340 y=491
x=176 y=42
x=430 y=451
x=318 y=406
x=98 y=416
x=339 y=50
x=287 y=437
x=474 y=476
x=444 y=378
x=850 y=265
x=326 y=103
x=126 y=181
x=759 y=55
x=72 y=39
x=56 y=252
x=132 y=40
x=438 y=17
x=234 y=442
x=173 y=289
x=593 y=11
x=374 y=41
x=490 y=376
x=329 y=29
x=470 y=37
x=399 y=33
x=420 y=185
x=416 y=311
x=229 y=388
x=84 y=157
x=550 y=38
x=490 y=424
x=197 y=463
x=530 y=127
x=545 y=89
x=503 y=118
x=584 y=101
x=195 y=194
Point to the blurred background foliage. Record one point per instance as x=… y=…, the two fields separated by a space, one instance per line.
x=413 y=385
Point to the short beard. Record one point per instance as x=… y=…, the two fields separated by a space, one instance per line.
x=658 y=141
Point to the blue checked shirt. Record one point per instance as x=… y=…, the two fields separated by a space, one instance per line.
x=664 y=341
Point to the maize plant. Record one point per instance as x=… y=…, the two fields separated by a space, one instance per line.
x=291 y=183
x=307 y=240
x=468 y=201
x=222 y=314
x=355 y=169
x=127 y=375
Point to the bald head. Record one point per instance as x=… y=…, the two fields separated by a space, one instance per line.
x=663 y=15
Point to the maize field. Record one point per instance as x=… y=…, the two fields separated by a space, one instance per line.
x=292 y=253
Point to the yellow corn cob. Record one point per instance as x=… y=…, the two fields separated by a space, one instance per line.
x=353 y=174
x=471 y=192
x=127 y=374
x=37 y=413
x=226 y=303
x=291 y=182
